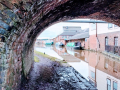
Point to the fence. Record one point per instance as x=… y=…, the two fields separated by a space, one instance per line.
x=113 y=49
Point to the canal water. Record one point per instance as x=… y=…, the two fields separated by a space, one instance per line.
x=95 y=67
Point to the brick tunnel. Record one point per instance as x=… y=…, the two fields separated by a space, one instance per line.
x=21 y=21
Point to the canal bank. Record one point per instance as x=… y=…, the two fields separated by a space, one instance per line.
x=49 y=74
x=109 y=54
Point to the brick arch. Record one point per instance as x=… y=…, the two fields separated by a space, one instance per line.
x=23 y=20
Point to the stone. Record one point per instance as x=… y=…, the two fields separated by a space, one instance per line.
x=2 y=44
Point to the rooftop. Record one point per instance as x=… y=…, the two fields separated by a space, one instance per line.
x=68 y=33
x=83 y=34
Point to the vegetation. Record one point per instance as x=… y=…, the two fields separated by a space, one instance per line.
x=36 y=59
x=47 y=56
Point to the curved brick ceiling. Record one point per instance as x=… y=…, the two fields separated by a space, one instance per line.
x=21 y=21
x=42 y=13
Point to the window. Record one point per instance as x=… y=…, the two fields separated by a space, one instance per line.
x=115 y=25
x=116 y=41
x=114 y=85
x=106 y=40
x=106 y=65
x=93 y=26
x=108 y=84
x=93 y=74
x=110 y=25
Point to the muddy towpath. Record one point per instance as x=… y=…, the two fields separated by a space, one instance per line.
x=48 y=73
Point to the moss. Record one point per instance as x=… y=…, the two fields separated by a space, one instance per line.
x=36 y=59
x=50 y=57
x=63 y=61
x=45 y=55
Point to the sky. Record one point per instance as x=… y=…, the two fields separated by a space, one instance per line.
x=57 y=29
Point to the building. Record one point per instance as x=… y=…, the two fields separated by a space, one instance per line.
x=102 y=70
x=68 y=32
x=43 y=41
x=80 y=37
x=71 y=29
x=104 y=37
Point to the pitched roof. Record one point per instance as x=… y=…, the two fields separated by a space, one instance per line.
x=68 y=33
x=81 y=35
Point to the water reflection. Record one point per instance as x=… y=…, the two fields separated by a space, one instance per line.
x=96 y=67
x=48 y=50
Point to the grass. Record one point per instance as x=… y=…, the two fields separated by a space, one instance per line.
x=47 y=56
x=36 y=59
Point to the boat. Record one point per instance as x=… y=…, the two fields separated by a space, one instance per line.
x=60 y=44
x=49 y=43
x=75 y=45
x=78 y=46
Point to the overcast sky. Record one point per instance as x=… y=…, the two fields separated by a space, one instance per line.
x=57 y=29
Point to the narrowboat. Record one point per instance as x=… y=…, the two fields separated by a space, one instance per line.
x=78 y=46
x=60 y=44
x=48 y=43
x=75 y=45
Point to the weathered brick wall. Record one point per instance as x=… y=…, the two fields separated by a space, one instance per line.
x=3 y=62
x=19 y=58
x=32 y=18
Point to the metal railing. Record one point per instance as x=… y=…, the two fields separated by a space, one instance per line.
x=113 y=49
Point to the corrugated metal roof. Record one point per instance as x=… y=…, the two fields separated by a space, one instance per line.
x=82 y=34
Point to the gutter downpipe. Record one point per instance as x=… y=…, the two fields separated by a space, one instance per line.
x=97 y=48
x=97 y=36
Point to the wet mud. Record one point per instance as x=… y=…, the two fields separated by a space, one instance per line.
x=52 y=75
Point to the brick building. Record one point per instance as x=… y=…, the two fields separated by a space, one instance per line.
x=68 y=32
x=102 y=70
x=81 y=37
x=104 y=37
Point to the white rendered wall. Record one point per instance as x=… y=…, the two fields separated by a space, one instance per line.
x=101 y=78
x=103 y=28
x=92 y=31
x=91 y=69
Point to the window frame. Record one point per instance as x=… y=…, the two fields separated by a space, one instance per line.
x=116 y=26
x=109 y=25
x=92 y=75
x=115 y=41
x=113 y=85
x=108 y=84
x=106 y=40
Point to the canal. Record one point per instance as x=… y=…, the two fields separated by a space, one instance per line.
x=95 y=67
